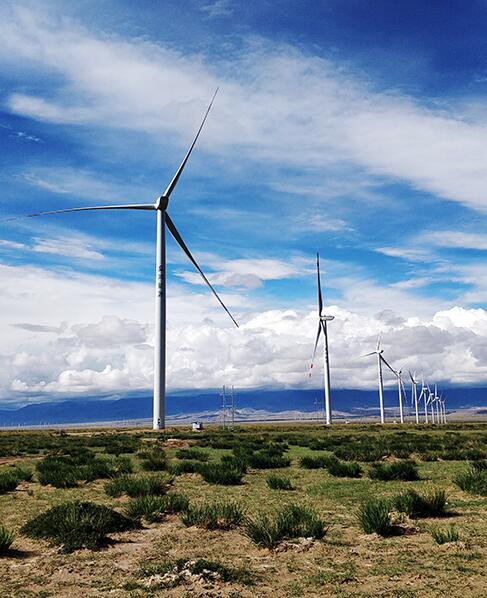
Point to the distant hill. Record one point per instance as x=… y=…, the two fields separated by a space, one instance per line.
x=93 y=409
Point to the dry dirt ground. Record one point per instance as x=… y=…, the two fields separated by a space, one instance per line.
x=346 y=564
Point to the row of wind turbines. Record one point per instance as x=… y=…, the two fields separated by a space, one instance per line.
x=436 y=405
x=164 y=221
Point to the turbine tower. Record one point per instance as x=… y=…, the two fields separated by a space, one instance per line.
x=437 y=401
x=414 y=395
x=401 y=393
x=163 y=220
x=425 y=399
x=322 y=327
x=378 y=351
x=430 y=403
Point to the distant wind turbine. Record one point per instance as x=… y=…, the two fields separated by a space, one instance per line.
x=414 y=395
x=430 y=403
x=401 y=393
x=322 y=327
x=437 y=401
x=380 y=359
x=424 y=396
x=163 y=220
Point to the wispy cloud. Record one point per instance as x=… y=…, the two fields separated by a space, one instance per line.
x=218 y=8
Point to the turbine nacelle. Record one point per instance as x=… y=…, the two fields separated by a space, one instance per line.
x=327 y=318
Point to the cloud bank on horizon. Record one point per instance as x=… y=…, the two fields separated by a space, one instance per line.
x=371 y=153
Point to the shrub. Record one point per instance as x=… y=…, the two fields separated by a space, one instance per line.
x=6 y=539
x=473 y=480
x=373 y=517
x=318 y=462
x=223 y=473
x=221 y=515
x=76 y=525
x=179 y=467
x=141 y=485
x=268 y=460
x=343 y=469
x=153 y=459
x=22 y=474
x=444 y=535
x=421 y=505
x=8 y=481
x=292 y=521
x=277 y=482
x=153 y=508
x=65 y=471
x=193 y=454
x=397 y=470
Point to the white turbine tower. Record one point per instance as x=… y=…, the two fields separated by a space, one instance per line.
x=163 y=220
x=414 y=395
x=437 y=401
x=423 y=395
x=401 y=393
x=322 y=327
x=430 y=403
x=378 y=351
x=442 y=400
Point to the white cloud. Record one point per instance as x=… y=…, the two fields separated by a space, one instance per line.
x=406 y=253
x=218 y=8
x=336 y=119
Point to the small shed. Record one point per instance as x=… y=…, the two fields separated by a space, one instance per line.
x=197 y=426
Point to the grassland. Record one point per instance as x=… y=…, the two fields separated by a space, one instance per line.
x=172 y=553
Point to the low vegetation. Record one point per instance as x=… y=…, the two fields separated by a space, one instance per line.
x=290 y=522
x=153 y=459
x=277 y=482
x=224 y=473
x=474 y=479
x=406 y=470
x=6 y=539
x=193 y=454
x=373 y=517
x=418 y=505
x=219 y=515
x=74 y=525
x=139 y=485
x=154 y=508
x=443 y=535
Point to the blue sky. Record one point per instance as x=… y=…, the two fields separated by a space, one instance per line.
x=352 y=128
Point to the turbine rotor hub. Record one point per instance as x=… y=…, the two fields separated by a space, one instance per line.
x=162 y=203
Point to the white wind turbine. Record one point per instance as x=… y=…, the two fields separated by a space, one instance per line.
x=163 y=220
x=443 y=408
x=423 y=395
x=414 y=395
x=401 y=393
x=430 y=403
x=322 y=327
x=437 y=401
x=378 y=351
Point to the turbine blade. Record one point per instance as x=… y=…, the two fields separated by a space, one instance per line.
x=378 y=341
x=177 y=237
x=393 y=371
x=179 y=171
x=320 y=298
x=320 y=327
x=140 y=206
x=411 y=376
x=368 y=354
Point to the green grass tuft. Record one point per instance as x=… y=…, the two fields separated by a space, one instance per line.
x=277 y=482
x=192 y=454
x=474 y=479
x=443 y=535
x=74 y=525
x=224 y=473
x=292 y=521
x=219 y=515
x=397 y=470
x=139 y=485
x=6 y=539
x=421 y=505
x=153 y=508
x=373 y=517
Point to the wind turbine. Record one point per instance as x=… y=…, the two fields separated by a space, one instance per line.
x=322 y=327
x=437 y=401
x=430 y=403
x=425 y=398
x=378 y=351
x=443 y=408
x=401 y=392
x=414 y=395
x=163 y=221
